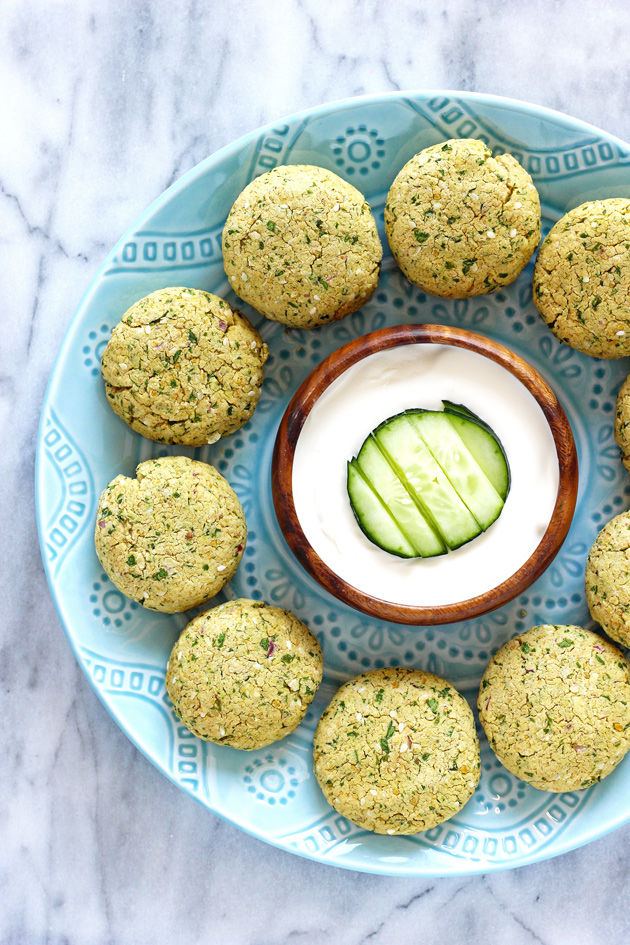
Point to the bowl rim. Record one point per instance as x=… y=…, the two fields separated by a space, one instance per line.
x=307 y=396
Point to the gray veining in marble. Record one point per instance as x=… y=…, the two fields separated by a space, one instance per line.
x=102 y=105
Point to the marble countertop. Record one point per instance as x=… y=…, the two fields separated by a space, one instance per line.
x=103 y=105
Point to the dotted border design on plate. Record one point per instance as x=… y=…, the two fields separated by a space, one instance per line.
x=326 y=835
x=187 y=762
x=455 y=119
x=75 y=502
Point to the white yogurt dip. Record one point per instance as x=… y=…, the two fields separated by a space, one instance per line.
x=384 y=384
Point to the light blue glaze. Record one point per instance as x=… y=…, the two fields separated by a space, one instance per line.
x=82 y=445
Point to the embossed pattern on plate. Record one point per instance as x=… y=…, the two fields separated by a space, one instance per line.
x=82 y=445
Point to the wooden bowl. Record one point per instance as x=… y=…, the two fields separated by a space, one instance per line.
x=322 y=377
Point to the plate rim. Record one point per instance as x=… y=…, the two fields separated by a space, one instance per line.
x=463 y=867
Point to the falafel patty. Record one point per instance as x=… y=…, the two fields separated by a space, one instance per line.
x=171 y=537
x=607 y=578
x=396 y=751
x=244 y=674
x=461 y=222
x=300 y=245
x=582 y=278
x=181 y=366
x=622 y=422
x=554 y=703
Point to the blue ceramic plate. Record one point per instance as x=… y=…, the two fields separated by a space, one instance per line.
x=123 y=649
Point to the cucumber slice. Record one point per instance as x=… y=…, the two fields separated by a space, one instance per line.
x=404 y=510
x=484 y=446
x=450 y=407
x=373 y=516
x=461 y=411
x=425 y=481
x=464 y=473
